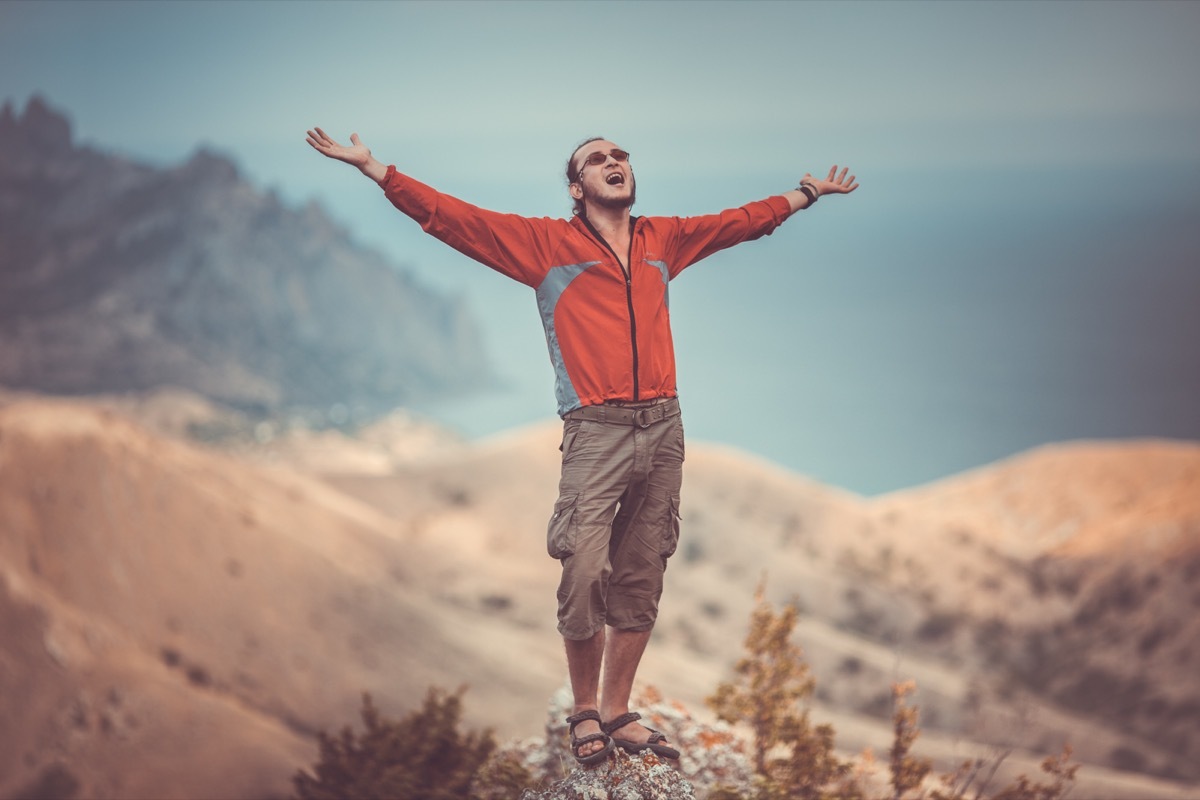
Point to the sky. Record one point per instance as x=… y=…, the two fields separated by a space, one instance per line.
x=1021 y=264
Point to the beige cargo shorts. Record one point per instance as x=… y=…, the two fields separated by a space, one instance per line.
x=616 y=521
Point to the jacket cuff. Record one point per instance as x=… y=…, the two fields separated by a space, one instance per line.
x=387 y=177
x=780 y=207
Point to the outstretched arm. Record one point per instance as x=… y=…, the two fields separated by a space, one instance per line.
x=798 y=198
x=356 y=154
x=516 y=246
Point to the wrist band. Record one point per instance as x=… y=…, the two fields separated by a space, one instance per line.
x=809 y=191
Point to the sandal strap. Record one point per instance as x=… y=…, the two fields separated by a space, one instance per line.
x=591 y=737
x=620 y=722
x=582 y=716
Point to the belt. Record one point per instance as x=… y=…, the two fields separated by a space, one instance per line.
x=642 y=417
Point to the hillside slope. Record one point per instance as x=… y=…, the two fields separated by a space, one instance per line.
x=179 y=620
x=181 y=624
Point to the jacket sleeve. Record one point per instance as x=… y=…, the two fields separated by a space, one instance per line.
x=516 y=246
x=696 y=238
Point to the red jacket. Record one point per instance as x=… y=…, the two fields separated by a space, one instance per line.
x=609 y=336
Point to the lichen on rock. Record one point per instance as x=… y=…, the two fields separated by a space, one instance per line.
x=711 y=755
x=621 y=777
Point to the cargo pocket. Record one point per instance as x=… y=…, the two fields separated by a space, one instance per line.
x=560 y=534
x=575 y=433
x=671 y=528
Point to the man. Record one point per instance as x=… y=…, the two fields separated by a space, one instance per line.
x=601 y=284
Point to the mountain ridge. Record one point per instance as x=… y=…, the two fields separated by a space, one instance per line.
x=117 y=276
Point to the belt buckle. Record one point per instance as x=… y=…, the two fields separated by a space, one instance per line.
x=645 y=417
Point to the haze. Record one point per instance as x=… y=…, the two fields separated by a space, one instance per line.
x=1021 y=265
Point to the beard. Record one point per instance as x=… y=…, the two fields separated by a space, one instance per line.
x=604 y=200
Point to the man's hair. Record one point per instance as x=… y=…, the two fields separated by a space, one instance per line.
x=573 y=173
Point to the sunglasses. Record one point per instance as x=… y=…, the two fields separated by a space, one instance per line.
x=596 y=159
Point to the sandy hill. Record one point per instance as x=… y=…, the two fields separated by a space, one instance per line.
x=174 y=609
x=179 y=619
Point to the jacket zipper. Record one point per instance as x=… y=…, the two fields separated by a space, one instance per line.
x=628 y=292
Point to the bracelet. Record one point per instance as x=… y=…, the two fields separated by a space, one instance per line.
x=810 y=191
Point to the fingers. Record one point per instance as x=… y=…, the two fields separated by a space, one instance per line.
x=834 y=177
x=842 y=183
x=356 y=153
x=319 y=139
x=847 y=184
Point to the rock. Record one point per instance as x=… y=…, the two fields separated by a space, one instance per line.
x=621 y=777
x=711 y=755
x=39 y=129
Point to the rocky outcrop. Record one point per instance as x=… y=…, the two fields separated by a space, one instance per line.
x=621 y=777
x=711 y=755
x=117 y=276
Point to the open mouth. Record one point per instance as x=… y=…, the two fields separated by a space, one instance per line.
x=615 y=179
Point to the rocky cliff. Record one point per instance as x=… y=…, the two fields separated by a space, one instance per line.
x=117 y=276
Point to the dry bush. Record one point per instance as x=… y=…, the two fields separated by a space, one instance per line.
x=792 y=759
x=908 y=772
x=422 y=756
x=425 y=756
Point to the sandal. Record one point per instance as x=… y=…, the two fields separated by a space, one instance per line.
x=656 y=744
x=599 y=755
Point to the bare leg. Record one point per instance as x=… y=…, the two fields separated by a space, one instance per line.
x=622 y=655
x=583 y=664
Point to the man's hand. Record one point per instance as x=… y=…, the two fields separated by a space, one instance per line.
x=834 y=184
x=802 y=196
x=357 y=154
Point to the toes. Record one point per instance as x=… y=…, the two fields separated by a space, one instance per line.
x=589 y=748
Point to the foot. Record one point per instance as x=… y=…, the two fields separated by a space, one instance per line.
x=631 y=736
x=589 y=744
x=629 y=732
x=582 y=731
